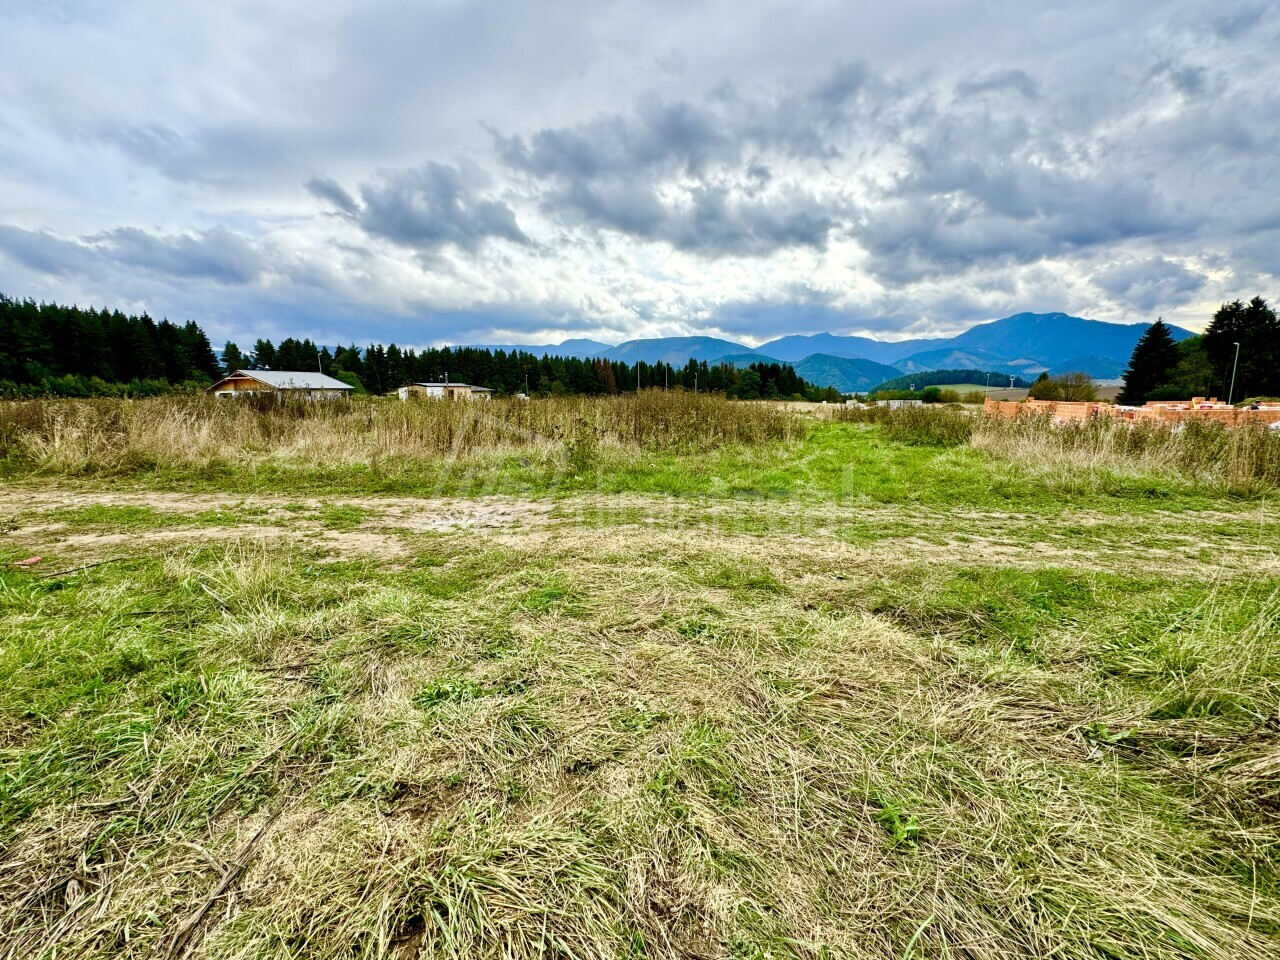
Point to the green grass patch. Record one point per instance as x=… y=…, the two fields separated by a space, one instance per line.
x=752 y=728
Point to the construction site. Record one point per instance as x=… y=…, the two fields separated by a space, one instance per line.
x=1162 y=411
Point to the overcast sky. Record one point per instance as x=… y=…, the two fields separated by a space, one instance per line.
x=461 y=171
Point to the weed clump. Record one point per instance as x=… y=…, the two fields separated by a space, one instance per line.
x=448 y=690
x=933 y=426
x=1243 y=460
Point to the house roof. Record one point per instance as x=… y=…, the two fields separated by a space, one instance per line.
x=294 y=379
x=452 y=383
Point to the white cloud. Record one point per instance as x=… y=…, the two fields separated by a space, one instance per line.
x=428 y=172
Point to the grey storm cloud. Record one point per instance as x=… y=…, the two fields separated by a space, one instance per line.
x=697 y=175
x=1189 y=80
x=718 y=223
x=662 y=137
x=424 y=208
x=710 y=220
x=1015 y=215
x=1017 y=81
x=1148 y=283
x=976 y=189
x=217 y=254
x=333 y=193
x=45 y=253
x=585 y=167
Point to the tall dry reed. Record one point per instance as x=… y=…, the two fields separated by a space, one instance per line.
x=80 y=436
x=1242 y=460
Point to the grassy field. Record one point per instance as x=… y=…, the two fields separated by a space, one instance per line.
x=728 y=684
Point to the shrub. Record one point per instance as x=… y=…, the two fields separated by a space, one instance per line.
x=1071 y=387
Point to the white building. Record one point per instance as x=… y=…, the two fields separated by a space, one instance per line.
x=444 y=391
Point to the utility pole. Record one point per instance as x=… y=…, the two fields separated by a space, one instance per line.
x=695 y=381
x=987 y=392
x=637 y=404
x=1232 y=392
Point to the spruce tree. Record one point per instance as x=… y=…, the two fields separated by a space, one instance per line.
x=199 y=351
x=1256 y=328
x=233 y=359
x=264 y=355
x=1151 y=366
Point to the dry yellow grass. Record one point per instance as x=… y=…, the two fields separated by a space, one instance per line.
x=75 y=437
x=593 y=747
x=645 y=727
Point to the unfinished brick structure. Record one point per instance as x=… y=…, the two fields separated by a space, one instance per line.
x=1160 y=411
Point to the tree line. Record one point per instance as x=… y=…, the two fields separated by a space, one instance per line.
x=935 y=378
x=1207 y=365
x=377 y=369
x=49 y=349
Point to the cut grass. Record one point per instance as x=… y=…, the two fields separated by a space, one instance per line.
x=813 y=711
x=530 y=749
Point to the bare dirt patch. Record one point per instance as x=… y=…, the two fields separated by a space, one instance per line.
x=382 y=533
x=1186 y=543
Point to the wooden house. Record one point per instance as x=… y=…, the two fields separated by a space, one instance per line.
x=285 y=383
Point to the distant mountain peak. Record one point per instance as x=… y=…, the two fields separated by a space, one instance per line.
x=1023 y=344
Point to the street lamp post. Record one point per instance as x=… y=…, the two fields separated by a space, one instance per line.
x=1236 y=363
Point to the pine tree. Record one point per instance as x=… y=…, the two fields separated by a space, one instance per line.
x=199 y=351
x=1044 y=388
x=1256 y=329
x=144 y=351
x=264 y=355
x=1151 y=366
x=233 y=359
x=395 y=371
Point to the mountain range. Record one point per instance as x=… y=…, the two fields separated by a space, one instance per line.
x=1025 y=344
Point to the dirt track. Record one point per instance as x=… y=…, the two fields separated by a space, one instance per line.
x=59 y=522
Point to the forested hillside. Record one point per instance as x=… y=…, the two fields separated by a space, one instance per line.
x=933 y=378
x=48 y=349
